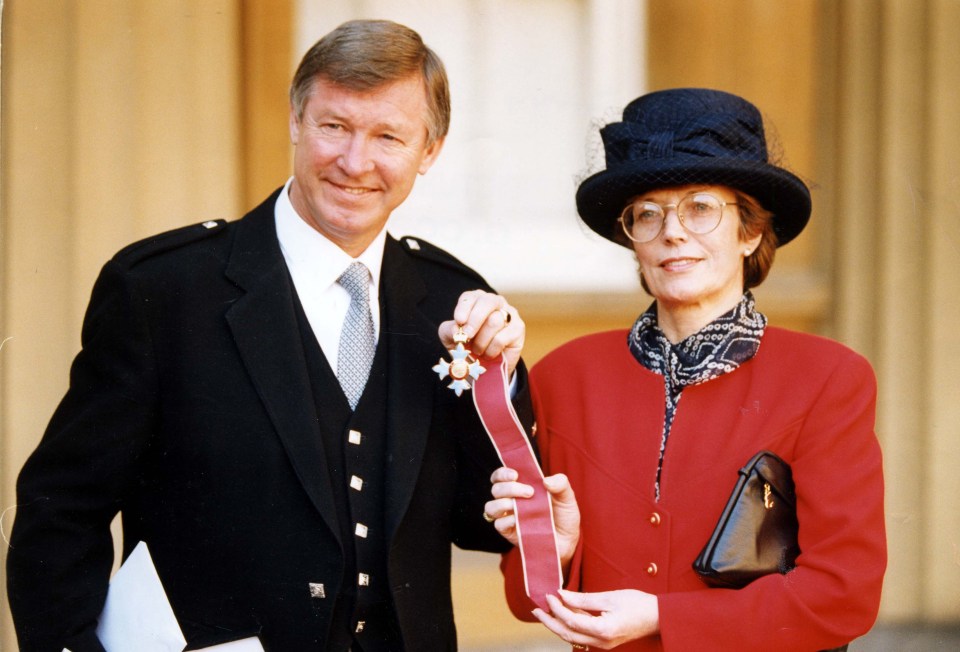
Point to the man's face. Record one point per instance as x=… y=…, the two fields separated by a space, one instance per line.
x=357 y=154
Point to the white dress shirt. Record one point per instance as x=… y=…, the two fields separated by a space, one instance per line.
x=315 y=264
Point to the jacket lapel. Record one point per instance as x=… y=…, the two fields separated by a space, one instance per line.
x=265 y=329
x=412 y=346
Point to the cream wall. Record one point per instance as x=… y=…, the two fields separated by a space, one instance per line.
x=121 y=118
x=527 y=77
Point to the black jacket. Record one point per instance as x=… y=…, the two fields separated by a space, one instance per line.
x=190 y=412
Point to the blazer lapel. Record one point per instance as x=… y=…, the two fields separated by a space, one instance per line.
x=412 y=344
x=265 y=329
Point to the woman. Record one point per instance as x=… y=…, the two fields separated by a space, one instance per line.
x=645 y=430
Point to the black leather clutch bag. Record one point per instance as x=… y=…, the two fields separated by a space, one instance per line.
x=757 y=531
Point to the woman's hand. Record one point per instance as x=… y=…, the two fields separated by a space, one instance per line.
x=601 y=620
x=492 y=326
x=566 y=512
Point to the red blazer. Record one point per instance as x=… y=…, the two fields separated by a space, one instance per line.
x=808 y=399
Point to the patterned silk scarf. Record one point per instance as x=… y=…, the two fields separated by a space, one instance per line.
x=718 y=348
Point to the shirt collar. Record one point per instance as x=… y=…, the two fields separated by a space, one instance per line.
x=304 y=248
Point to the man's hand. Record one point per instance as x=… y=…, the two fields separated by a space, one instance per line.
x=566 y=513
x=491 y=325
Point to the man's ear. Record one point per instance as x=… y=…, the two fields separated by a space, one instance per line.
x=294 y=125
x=430 y=155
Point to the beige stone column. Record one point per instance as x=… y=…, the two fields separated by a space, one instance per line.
x=891 y=73
x=941 y=353
x=121 y=118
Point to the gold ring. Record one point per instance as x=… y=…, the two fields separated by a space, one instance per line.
x=506 y=315
x=488 y=518
x=577 y=646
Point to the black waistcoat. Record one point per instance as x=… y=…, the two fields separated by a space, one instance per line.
x=355 y=446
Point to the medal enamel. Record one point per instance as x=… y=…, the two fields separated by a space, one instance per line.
x=462 y=369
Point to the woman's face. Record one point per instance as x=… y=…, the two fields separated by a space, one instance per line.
x=685 y=270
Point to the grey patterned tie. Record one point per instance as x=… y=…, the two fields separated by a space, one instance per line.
x=356 y=339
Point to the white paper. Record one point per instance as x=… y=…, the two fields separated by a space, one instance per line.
x=137 y=614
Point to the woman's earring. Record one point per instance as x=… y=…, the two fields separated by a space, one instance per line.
x=747 y=252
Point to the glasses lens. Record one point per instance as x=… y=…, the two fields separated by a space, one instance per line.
x=642 y=221
x=700 y=212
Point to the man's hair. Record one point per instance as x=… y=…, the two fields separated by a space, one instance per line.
x=364 y=55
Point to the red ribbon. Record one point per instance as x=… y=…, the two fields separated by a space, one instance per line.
x=538 y=543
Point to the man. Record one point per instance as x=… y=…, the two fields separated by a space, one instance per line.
x=225 y=401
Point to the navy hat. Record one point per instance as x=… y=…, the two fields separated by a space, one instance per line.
x=688 y=136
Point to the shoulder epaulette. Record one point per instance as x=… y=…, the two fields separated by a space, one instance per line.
x=167 y=241
x=423 y=249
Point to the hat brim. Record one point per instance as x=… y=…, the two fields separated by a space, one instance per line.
x=602 y=196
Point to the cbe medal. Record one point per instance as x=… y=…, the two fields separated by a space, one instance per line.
x=542 y=575
x=462 y=367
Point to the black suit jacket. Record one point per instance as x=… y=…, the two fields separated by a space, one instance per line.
x=190 y=412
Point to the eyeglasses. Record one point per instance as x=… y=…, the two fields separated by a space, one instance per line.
x=698 y=212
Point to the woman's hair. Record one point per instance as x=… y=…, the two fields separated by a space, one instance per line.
x=365 y=54
x=754 y=219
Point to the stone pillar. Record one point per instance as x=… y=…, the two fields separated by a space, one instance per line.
x=891 y=74
x=121 y=118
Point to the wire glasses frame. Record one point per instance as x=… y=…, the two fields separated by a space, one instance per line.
x=698 y=212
